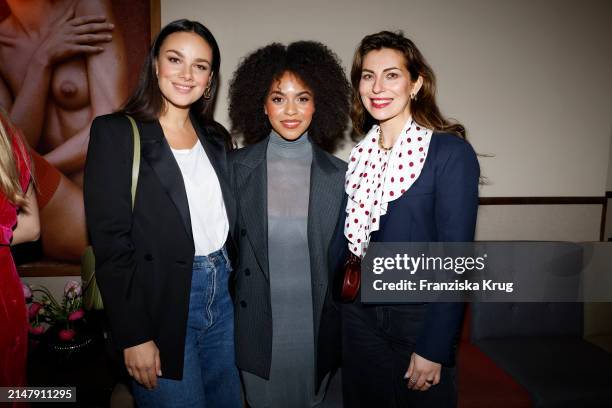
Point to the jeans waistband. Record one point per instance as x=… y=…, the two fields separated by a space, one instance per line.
x=219 y=255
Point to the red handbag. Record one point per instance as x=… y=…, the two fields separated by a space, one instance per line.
x=351 y=280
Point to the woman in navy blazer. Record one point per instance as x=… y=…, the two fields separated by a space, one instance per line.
x=413 y=178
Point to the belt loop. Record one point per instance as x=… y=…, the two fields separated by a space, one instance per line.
x=225 y=256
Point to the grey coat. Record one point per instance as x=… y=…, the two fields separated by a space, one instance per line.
x=250 y=282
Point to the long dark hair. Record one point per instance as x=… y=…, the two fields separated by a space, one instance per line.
x=146 y=102
x=424 y=109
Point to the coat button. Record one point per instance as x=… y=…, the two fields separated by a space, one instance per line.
x=243 y=232
x=247 y=272
x=148 y=257
x=242 y=303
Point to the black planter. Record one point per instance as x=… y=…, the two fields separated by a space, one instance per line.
x=67 y=350
x=71 y=351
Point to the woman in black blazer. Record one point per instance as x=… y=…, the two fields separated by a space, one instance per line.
x=162 y=266
x=412 y=178
x=291 y=104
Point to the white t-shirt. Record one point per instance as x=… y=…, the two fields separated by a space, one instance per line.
x=209 y=222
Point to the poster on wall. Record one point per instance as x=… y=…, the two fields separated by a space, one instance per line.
x=62 y=63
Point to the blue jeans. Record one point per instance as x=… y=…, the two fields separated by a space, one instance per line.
x=210 y=377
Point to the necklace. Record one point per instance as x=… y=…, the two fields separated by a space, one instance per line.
x=380 y=143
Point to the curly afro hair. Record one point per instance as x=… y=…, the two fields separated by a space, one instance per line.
x=313 y=63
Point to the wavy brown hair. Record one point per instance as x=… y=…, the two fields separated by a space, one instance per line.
x=424 y=108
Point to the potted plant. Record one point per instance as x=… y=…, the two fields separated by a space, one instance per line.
x=59 y=325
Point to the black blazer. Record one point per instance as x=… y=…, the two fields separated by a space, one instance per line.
x=252 y=290
x=144 y=257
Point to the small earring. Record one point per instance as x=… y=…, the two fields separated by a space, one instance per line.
x=413 y=97
x=207 y=92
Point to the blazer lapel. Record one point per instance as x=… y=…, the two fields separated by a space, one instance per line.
x=252 y=195
x=324 y=202
x=157 y=153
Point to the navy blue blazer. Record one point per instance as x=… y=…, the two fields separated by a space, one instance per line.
x=441 y=206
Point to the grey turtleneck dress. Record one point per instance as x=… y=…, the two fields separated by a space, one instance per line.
x=292 y=372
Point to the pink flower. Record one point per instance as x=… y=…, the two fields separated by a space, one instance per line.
x=27 y=292
x=72 y=289
x=36 y=329
x=66 y=334
x=34 y=309
x=76 y=315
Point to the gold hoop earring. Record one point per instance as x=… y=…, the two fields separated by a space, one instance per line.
x=207 y=92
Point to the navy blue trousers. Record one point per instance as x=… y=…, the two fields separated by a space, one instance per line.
x=377 y=342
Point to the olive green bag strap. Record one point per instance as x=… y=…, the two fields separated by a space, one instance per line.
x=136 y=160
x=92 y=299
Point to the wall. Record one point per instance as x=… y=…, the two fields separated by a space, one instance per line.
x=575 y=222
x=609 y=185
x=530 y=80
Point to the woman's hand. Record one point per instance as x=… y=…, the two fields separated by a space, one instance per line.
x=143 y=363
x=422 y=373
x=71 y=36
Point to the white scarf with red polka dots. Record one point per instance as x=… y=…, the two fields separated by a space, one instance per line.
x=376 y=176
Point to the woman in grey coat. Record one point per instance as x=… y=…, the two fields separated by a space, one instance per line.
x=291 y=105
